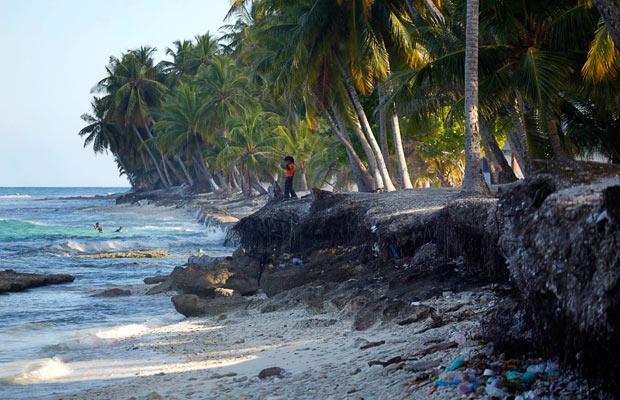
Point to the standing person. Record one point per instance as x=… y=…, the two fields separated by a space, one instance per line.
x=289 y=166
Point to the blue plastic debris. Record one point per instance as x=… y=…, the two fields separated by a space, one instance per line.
x=458 y=363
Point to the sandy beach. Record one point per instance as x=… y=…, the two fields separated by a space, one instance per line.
x=320 y=353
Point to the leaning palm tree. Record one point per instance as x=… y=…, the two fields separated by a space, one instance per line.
x=250 y=147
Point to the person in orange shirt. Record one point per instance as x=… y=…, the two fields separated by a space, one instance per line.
x=289 y=167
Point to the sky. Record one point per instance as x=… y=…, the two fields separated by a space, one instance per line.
x=53 y=53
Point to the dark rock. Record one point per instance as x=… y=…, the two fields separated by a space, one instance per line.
x=191 y=305
x=239 y=274
x=11 y=281
x=566 y=268
x=163 y=287
x=115 y=292
x=372 y=344
x=271 y=372
x=153 y=280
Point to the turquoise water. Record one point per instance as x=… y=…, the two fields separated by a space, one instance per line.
x=46 y=230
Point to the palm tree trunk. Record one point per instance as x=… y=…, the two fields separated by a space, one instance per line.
x=554 y=140
x=303 y=181
x=403 y=171
x=202 y=164
x=517 y=138
x=188 y=177
x=383 y=137
x=361 y=114
x=363 y=179
x=372 y=161
x=151 y=155
x=166 y=173
x=473 y=181
x=500 y=168
x=256 y=185
x=610 y=11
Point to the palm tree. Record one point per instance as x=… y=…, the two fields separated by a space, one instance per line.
x=473 y=181
x=250 y=147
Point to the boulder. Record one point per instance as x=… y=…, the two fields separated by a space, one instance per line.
x=11 y=281
x=203 y=275
x=192 y=305
x=153 y=280
x=115 y=292
x=275 y=372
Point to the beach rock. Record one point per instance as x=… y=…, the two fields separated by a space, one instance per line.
x=115 y=292
x=163 y=287
x=276 y=372
x=564 y=259
x=192 y=305
x=129 y=254
x=153 y=280
x=202 y=278
x=11 y=281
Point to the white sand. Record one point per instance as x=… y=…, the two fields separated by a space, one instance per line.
x=204 y=358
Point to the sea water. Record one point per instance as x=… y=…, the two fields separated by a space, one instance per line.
x=47 y=230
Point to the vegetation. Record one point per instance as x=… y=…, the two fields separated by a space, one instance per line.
x=383 y=94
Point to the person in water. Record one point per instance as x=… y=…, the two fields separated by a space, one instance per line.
x=98 y=227
x=289 y=167
x=120 y=228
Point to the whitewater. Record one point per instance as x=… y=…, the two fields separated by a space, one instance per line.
x=47 y=333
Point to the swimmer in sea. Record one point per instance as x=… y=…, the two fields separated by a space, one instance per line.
x=98 y=227
x=120 y=228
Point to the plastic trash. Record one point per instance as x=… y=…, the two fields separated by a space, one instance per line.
x=536 y=368
x=393 y=250
x=282 y=266
x=494 y=390
x=444 y=383
x=458 y=363
x=528 y=377
x=467 y=388
x=513 y=375
x=297 y=261
x=488 y=372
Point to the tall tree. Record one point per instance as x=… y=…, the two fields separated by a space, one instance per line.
x=473 y=181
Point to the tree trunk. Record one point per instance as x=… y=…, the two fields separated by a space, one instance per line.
x=303 y=181
x=188 y=177
x=166 y=174
x=179 y=177
x=517 y=138
x=151 y=155
x=383 y=135
x=372 y=161
x=554 y=139
x=473 y=181
x=256 y=185
x=363 y=179
x=205 y=171
x=610 y=11
x=500 y=169
x=403 y=171
x=361 y=114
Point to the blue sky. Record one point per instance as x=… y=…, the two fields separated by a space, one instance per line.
x=53 y=52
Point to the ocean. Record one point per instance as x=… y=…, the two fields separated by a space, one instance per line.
x=45 y=332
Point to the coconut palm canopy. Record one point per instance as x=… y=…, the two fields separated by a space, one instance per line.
x=373 y=95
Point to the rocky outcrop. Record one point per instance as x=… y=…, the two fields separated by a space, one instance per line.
x=114 y=292
x=191 y=305
x=129 y=254
x=203 y=275
x=11 y=281
x=561 y=236
x=153 y=280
